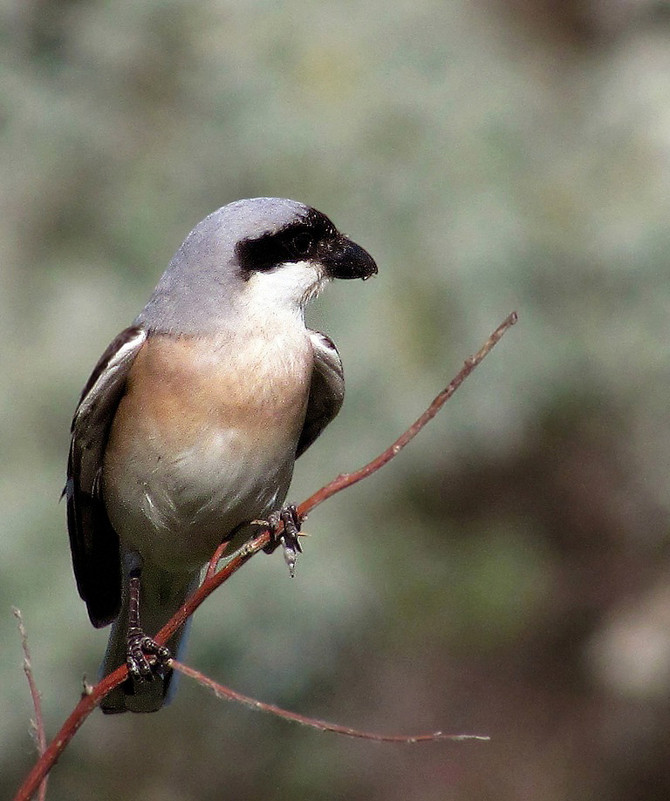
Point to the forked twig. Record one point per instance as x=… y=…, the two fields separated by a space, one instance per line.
x=214 y=578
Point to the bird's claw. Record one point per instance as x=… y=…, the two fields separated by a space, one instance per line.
x=145 y=658
x=288 y=539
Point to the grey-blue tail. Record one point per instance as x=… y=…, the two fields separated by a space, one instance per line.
x=161 y=596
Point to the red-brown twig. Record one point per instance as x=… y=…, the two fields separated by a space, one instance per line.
x=38 y=724
x=213 y=579
x=347 y=479
x=220 y=691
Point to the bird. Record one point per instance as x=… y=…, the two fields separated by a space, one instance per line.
x=188 y=428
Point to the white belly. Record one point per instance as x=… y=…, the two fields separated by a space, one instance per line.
x=179 y=510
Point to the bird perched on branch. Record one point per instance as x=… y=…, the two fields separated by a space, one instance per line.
x=191 y=422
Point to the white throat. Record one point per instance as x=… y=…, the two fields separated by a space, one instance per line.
x=285 y=289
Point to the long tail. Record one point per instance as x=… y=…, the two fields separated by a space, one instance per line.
x=161 y=596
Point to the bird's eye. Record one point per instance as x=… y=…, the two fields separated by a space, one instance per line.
x=300 y=245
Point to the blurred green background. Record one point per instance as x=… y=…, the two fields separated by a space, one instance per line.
x=509 y=573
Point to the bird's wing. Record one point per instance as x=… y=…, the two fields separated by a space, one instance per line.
x=326 y=392
x=93 y=541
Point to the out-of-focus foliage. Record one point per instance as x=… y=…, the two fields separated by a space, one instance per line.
x=508 y=574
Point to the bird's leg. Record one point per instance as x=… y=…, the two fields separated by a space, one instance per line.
x=288 y=539
x=139 y=645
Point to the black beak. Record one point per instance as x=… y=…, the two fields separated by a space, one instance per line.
x=346 y=259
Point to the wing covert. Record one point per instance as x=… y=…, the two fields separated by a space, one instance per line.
x=326 y=392
x=93 y=541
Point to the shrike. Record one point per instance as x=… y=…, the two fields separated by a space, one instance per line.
x=191 y=422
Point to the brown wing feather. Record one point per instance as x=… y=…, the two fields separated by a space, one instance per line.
x=93 y=541
x=326 y=392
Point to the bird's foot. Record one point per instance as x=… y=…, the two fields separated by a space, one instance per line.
x=145 y=658
x=288 y=539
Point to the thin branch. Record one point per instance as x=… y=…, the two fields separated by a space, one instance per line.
x=39 y=732
x=347 y=479
x=220 y=691
x=213 y=579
